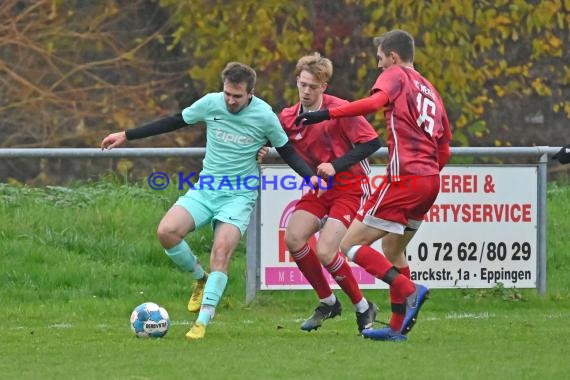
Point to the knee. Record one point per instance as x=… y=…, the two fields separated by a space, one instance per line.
x=325 y=253
x=293 y=241
x=167 y=236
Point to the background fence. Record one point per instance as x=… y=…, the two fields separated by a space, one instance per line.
x=540 y=155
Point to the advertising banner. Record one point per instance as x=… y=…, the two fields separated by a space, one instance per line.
x=482 y=230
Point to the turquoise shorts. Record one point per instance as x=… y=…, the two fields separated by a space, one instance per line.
x=233 y=207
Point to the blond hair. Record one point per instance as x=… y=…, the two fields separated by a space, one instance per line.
x=319 y=66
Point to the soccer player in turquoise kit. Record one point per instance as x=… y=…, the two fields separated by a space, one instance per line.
x=238 y=124
x=418 y=136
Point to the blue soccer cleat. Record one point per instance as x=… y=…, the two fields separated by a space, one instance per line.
x=385 y=333
x=413 y=304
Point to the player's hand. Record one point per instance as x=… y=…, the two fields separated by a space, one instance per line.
x=262 y=153
x=113 y=140
x=319 y=185
x=326 y=169
x=313 y=117
x=563 y=155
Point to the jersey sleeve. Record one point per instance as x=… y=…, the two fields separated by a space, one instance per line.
x=364 y=106
x=275 y=133
x=197 y=111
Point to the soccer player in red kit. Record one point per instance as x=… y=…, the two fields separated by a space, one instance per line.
x=333 y=148
x=418 y=135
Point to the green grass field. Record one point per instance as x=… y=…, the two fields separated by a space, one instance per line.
x=75 y=262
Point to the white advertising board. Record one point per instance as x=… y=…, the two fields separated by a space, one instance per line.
x=482 y=230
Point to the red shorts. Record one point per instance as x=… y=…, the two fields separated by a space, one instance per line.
x=397 y=205
x=339 y=203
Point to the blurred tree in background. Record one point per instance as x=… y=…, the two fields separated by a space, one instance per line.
x=72 y=71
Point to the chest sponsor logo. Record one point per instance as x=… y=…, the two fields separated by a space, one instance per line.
x=232 y=137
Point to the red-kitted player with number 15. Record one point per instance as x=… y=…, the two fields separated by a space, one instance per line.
x=418 y=136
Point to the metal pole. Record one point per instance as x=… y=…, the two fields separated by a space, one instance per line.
x=542 y=216
x=98 y=153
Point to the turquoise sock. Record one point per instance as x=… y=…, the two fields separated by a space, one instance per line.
x=213 y=291
x=182 y=256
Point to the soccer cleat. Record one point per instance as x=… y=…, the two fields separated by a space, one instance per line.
x=413 y=304
x=197 y=331
x=385 y=333
x=322 y=312
x=197 y=294
x=366 y=319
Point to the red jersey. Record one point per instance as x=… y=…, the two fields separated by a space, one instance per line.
x=330 y=139
x=416 y=122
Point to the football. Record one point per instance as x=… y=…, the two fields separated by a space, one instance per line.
x=150 y=320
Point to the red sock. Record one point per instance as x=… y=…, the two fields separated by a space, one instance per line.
x=397 y=318
x=342 y=273
x=310 y=266
x=372 y=261
x=378 y=265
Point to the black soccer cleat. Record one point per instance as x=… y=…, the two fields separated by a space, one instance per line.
x=322 y=312
x=366 y=319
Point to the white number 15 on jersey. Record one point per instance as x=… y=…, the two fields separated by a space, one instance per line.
x=426 y=108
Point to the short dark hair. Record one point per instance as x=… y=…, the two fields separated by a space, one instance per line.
x=236 y=72
x=397 y=41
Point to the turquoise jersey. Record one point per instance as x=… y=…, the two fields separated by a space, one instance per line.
x=233 y=140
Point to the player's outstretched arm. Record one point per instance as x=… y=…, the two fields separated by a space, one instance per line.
x=156 y=127
x=313 y=117
x=360 y=107
x=113 y=140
